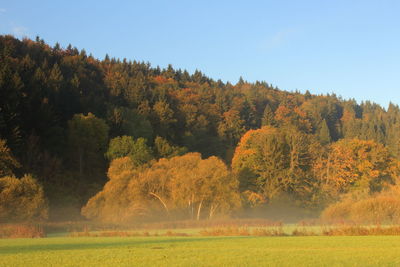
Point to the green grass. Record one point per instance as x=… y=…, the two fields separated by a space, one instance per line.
x=202 y=251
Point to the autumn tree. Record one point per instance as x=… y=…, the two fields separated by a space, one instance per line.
x=22 y=200
x=164 y=118
x=268 y=116
x=115 y=203
x=271 y=161
x=356 y=165
x=232 y=127
x=179 y=187
x=290 y=114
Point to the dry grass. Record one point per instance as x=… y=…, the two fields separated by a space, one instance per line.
x=124 y=234
x=212 y=228
x=88 y=226
x=243 y=231
x=361 y=230
x=21 y=231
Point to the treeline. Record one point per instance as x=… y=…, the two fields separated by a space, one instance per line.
x=65 y=116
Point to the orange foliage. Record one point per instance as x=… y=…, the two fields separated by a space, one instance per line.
x=355 y=164
x=163 y=80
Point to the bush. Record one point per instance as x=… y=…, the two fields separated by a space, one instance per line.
x=22 y=200
x=377 y=209
x=337 y=212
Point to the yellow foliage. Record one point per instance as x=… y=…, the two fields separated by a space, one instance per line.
x=183 y=186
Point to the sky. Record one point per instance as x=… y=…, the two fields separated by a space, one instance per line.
x=350 y=48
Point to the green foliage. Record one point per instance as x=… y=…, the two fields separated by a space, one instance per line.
x=125 y=146
x=164 y=149
x=323 y=134
x=129 y=122
x=22 y=200
x=87 y=142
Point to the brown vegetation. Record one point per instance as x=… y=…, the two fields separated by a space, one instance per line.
x=124 y=234
x=381 y=208
x=21 y=231
x=361 y=230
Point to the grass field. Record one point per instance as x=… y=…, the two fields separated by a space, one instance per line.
x=202 y=251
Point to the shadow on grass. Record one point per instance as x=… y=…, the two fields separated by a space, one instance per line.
x=79 y=244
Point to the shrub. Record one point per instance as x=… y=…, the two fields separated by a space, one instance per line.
x=337 y=212
x=381 y=208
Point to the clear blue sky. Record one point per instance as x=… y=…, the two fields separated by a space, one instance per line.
x=348 y=47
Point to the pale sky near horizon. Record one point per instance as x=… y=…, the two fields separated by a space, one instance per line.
x=351 y=48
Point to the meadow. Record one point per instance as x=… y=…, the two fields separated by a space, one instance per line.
x=202 y=251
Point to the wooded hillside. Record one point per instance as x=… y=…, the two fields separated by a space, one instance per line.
x=64 y=116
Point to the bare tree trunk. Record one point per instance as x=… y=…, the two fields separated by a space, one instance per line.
x=199 y=210
x=212 y=210
x=327 y=169
x=162 y=202
x=192 y=207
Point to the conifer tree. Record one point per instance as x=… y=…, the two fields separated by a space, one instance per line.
x=323 y=133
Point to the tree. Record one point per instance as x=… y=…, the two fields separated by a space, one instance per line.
x=183 y=186
x=163 y=149
x=232 y=127
x=268 y=116
x=7 y=161
x=288 y=114
x=271 y=161
x=22 y=200
x=323 y=133
x=356 y=165
x=125 y=146
x=164 y=118
x=129 y=122
x=115 y=203
x=87 y=141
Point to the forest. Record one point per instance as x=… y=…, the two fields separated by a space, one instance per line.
x=116 y=141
